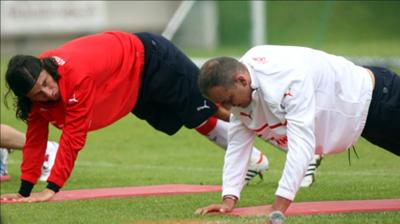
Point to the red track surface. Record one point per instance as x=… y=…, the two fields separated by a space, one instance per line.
x=124 y=192
x=302 y=208
x=325 y=207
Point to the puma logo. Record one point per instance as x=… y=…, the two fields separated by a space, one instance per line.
x=288 y=93
x=205 y=106
x=245 y=115
x=59 y=60
x=73 y=99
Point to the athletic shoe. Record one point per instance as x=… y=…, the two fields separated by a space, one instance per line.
x=51 y=151
x=309 y=178
x=257 y=168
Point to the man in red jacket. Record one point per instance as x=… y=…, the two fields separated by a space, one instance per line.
x=91 y=82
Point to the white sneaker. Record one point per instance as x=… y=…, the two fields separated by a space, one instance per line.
x=51 y=151
x=309 y=178
x=257 y=168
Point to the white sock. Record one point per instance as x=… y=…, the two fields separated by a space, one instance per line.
x=216 y=130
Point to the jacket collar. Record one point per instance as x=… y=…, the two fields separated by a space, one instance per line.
x=254 y=81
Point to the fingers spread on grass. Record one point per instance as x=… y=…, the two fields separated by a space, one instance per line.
x=10 y=197
x=208 y=209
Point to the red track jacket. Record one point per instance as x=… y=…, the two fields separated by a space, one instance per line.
x=99 y=83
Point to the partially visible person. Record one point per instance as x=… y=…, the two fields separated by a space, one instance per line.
x=91 y=82
x=12 y=139
x=303 y=101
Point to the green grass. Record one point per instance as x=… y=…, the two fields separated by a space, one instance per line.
x=130 y=153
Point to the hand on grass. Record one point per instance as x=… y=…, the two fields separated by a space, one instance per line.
x=227 y=206
x=45 y=195
x=11 y=197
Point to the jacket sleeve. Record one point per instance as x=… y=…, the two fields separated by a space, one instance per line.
x=300 y=112
x=237 y=157
x=77 y=122
x=35 y=146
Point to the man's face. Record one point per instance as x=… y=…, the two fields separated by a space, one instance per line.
x=237 y=95
x=45 y=89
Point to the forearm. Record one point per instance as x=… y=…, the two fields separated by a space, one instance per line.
x=11 y=138
x=63 y=165
x=237 y=158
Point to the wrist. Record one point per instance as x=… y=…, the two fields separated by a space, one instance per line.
x=54 y=187
x=229 y=201
x=231 y=197
x=25 y=188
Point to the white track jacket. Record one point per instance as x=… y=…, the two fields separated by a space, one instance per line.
x=304 y=102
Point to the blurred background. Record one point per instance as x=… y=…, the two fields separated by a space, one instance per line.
x=367 y=32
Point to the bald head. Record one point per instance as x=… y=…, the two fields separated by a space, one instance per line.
x=219 y=71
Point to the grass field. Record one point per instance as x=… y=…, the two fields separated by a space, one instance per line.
x=130 y=153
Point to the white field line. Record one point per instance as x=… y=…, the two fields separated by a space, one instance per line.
x=132 y=167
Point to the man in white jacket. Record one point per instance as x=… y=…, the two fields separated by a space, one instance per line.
x=303 y=101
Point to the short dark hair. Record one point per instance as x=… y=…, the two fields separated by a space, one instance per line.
x=21 y=76
x=218 y=71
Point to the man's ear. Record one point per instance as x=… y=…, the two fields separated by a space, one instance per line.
x=240 y=78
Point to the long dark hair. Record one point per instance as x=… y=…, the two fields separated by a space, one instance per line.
x=21 y=76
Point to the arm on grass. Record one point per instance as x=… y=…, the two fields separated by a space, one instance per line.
x=237 y=158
